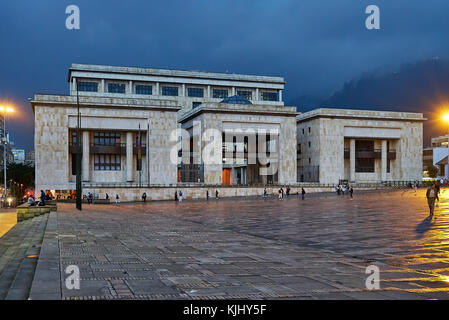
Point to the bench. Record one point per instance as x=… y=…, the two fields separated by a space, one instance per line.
x=25 y=211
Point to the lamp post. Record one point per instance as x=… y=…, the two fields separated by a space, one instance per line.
x=5 y=110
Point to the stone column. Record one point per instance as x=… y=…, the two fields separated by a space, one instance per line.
x=280 y=95
x=183 y=90
x=256 y=98
x=384 y=160
x=157 y=92
x=130 y=87
x=208 y=92
x=129 y=156
x=352 y=160
x=233 y=91
x=86 y=156
x=102 y=88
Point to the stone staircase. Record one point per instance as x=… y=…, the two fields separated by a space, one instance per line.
x=19 y=253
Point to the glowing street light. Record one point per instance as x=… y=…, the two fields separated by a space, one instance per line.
x=446 y=117
x=4 y=110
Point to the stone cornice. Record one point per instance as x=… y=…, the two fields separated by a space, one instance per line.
x=100 y=102
x=239 y=109
x=360 y=114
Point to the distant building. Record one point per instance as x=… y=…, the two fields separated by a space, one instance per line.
x=437 y=155
x=29 y=158
x=19 y=155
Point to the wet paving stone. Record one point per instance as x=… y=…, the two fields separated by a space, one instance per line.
x=254 y=249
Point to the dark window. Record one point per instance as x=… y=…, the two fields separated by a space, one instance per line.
x=303 y=131
x=196 y=104
x=299 y=148
x=220 y=93
x=106 y=138
x=269 y=96
x=73 y=164
x=310 y=161
x=144 y=89
x=388 y=160
x=195 y=92
x=88 y=86
x=169 y=91
x=74 y=141
x=116 y=87
x=364 y=145
x=309 y=144
x=309 y=129
x=248 y=95
x=364 y=165
x=107 y=162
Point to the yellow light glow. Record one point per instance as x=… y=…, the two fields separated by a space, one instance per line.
x=446 y=117
x=4 y=108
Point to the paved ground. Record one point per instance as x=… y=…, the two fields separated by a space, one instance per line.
x=318 y=248
x=8 y=218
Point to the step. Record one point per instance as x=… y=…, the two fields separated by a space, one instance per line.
x=21 y=285
x=19 y=240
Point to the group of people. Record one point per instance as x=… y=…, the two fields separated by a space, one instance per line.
x=43 y=197
x=346 y=189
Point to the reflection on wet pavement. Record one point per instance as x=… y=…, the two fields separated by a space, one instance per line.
x=7 y=221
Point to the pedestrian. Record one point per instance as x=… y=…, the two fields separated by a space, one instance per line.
x=180 y=196
x=280 y=194
x=144 y=197
x=91 y=197
x=303 y=193
x=431 y=196
x=288 y=191
x=264 y=192
x=176 y=195
x=107 y=196
x=351 y=192
x=216 y=194
x=117 y=199
x=42 y=198
x=416 y=185
x=207 y=195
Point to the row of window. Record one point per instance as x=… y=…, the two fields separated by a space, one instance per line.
x=91 y=86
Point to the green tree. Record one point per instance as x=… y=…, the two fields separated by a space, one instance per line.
x=432 y=171
x=20 y=178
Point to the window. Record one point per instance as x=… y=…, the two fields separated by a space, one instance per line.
x=303 y=131
x=309 y=129
x=169 y=91
x=88 y=86
x=195 y=104
x=220 y=93
x=364 y=165
x=298 y=150
x=106 y=138
x=269 y=96
x=248 y=95
x=144 y=89
x=309 y=144
x=195 y=92
x=116 y=87
x=107 y=162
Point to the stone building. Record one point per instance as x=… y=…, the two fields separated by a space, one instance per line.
x=158 y=131
x=361 y=146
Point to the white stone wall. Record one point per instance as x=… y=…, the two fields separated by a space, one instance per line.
x=52 y=122
x=329 y=141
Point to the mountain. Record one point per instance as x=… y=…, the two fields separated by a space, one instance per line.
x=421 y=86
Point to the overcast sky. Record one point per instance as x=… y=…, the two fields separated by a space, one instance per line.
x=315 y=45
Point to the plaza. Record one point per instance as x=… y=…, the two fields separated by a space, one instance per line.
x=247 y=248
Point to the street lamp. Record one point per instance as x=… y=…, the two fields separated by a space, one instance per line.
x=4 y=110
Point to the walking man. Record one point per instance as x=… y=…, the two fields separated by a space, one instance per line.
x=144 y=197
x=117 y=199
x=180 y=196
x=431 y=196
x=216 y=194
x=303 y=193
x=351 y=192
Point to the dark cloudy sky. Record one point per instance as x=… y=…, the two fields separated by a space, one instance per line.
x=315 y=45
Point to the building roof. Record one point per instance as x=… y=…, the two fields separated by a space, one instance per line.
x=443 y=161
x=172 y=73
x=236 y=100
x=359 y=114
